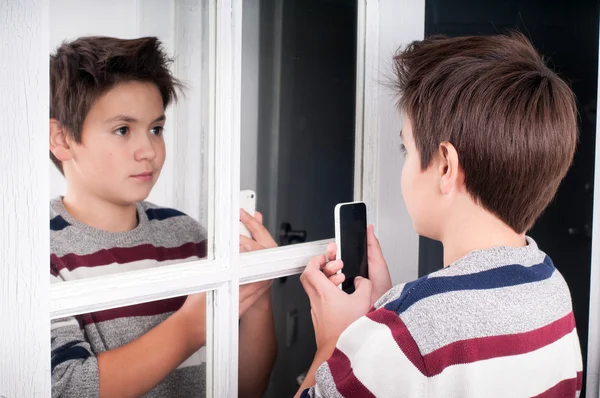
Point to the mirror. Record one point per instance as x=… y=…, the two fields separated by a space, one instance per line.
x=103 y=221
x=297 y=144
x=298 y=113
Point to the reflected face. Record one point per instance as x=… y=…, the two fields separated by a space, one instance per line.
x=122 y=150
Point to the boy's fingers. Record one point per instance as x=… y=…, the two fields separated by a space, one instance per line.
x=249 y=244
x=333 y=267
x=373 y=247
x=259 y=217
x=337 y=279
x=260 y=233
x=250 y=293
x=363 y=288
x=315 y=264
x=312 y=277
x=379 y=274
x=254 y=289
x=331 y=251
x=249 y=299
x=245 y=248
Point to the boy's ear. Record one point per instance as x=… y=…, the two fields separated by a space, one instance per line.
x=59 y=144
x=449 y=167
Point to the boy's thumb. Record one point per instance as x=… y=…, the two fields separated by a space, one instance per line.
x=362 y=286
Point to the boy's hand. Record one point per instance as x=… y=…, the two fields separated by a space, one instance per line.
x=194 y=310
x=332 y=309
x=261 y=237
x=253 y=294
x=379 y=273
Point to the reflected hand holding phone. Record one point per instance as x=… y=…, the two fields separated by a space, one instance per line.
x=248 y=203
x=351 y=240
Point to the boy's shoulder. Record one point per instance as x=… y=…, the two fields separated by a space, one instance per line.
x=158 y=216
x=170 y=220
x=156 y=212
x=494 y=268
x=518 y=270
x=159 y=225
x=501 y=291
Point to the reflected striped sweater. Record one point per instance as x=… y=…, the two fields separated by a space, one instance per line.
x=496 y=323
x=163 y=236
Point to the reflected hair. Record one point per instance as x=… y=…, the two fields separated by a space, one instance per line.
x=84 y=69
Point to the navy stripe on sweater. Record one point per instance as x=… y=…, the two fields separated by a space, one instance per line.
x=68 y=352
x=410 y=285
x=162 y=214
x=58 y=224
x=509 y=275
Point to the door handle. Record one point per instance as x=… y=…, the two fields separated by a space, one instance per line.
x=288 y=236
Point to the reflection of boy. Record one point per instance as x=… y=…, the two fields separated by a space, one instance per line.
x=490 y=132
x=108 y=100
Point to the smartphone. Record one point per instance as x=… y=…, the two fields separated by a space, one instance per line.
x=248 y=203
x=351 y=240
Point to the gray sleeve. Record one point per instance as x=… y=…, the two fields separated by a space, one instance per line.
x=74 y=365
x=325 y=386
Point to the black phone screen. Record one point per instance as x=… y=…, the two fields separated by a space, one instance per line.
x=353 y=239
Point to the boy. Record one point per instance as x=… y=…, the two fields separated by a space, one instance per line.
x=108 y=99
x=489 y=134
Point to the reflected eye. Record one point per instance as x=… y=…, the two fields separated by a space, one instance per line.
x=158 y=130
x=402 y=149
x=122 y=131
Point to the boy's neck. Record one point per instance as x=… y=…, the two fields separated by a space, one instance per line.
x=101 y=214
x=477 y=229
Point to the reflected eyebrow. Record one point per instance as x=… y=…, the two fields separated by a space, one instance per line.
x=130 y=119
x=401 y=136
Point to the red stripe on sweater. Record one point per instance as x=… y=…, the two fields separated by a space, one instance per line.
x=123 y=255
x=345 y=381
x=471 y=350
x=478 y=349
x=401 y=335
x=566 y=388
x=145 y=309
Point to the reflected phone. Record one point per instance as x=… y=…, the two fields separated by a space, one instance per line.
x=351 y=240
x=248 y=203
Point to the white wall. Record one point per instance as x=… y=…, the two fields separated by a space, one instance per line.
x=401 y=21
x=24 y=232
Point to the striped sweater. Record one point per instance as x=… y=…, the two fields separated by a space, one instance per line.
x=496 y=323
x=163 y=236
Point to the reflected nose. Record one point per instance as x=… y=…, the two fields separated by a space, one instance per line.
x=145 y=148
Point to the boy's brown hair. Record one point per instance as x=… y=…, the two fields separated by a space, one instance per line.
x=83 y=70
x=512 y=120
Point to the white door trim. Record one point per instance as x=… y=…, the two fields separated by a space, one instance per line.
x=24 y=183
